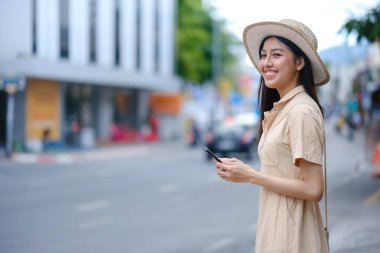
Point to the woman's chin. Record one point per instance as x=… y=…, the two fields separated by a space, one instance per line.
x=270 y=84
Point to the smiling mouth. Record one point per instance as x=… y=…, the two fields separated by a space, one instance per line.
x=270 y=74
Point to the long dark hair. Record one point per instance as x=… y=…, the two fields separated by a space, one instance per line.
x=268 y=96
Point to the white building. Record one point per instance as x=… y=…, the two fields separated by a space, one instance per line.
x=87 y=65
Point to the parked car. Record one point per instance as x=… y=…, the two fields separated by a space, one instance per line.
x=234 y=135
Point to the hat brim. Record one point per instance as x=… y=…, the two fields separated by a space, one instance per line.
x=255 y=33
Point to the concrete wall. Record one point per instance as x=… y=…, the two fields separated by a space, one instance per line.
x=15 y=28
x=156 y=50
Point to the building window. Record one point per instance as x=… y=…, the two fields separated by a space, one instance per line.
x=64 y=29
x=156 y=35
x=92 y=31
x=138 y=34
x=117 y=32
x=34 y=26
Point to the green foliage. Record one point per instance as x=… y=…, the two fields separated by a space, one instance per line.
x=229 y=43
x=367 y=27
x=194 y=43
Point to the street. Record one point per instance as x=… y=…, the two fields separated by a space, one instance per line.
x=166 y=198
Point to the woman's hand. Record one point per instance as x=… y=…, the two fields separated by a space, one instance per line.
x=309 y=186
x=234 y=170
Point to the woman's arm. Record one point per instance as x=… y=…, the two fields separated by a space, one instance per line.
x=309 y=186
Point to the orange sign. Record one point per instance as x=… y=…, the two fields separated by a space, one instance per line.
x=42 y=109
x=165 y=103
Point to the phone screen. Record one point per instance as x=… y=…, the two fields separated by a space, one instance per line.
x=212 y=154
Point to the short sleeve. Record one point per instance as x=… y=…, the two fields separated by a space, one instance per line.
x=306 y=134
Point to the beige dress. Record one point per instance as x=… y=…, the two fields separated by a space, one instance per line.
x=293 y=129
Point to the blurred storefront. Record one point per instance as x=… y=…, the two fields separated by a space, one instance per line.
x=91 y=68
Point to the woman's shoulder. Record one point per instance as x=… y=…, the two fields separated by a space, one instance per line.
x=304 y=104
x=306 y=114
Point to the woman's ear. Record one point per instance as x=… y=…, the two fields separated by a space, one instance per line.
x=300 y=63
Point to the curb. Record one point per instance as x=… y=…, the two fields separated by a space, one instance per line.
x=82 y=156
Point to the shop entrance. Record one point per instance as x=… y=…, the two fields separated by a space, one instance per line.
x=124 y=128
x=79 y=129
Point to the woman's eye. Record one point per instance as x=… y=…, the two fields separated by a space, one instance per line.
x=276 y=55
x=263 y=56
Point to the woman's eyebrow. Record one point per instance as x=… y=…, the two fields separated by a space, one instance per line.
x=274 y=49
x=277 y=49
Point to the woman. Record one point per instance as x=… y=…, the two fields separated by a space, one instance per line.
x=291 y=138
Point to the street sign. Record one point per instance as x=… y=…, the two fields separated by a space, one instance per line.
x=12 y=83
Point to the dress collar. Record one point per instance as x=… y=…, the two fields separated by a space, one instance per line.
x=288 y=96
x=270 y=116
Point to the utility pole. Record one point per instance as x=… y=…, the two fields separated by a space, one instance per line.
x=11 y=84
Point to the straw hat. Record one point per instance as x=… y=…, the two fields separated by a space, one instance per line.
x=295 y=31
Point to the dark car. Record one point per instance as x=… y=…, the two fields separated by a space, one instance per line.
x=233 y=136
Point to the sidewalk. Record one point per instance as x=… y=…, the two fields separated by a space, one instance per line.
x=79 y=156
x=354 y=220
x=353 y=195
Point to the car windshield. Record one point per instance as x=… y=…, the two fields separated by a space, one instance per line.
x=247 y=119
x=229 y=128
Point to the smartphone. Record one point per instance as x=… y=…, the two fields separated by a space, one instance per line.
x=212 y=154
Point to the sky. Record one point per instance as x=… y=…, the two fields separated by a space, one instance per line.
x=324 y=17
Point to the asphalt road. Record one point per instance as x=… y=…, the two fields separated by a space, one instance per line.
x=166 y=199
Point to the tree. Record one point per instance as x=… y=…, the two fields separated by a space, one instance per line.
x=367 y=27
x=194 y=42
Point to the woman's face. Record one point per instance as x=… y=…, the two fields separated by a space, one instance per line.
x=279 y=67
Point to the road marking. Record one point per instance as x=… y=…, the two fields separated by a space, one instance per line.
x=39 y=183
x=168 y=188
x=96 y=223
x=91 y=206
x=220 y=244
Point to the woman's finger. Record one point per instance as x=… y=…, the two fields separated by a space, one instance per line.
x=231 y=161
x=222 y=166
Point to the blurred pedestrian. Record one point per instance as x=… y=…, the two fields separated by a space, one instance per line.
x=194 y=133
x=353 y=117
x=152 y=136
x=291 y=138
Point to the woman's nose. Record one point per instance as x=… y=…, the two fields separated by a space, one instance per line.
x=268 y=61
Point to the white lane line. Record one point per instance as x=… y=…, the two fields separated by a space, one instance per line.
x=91 y=206
x=168 y=188
x=220 y=244
x=96 y=223
x=38 y=183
